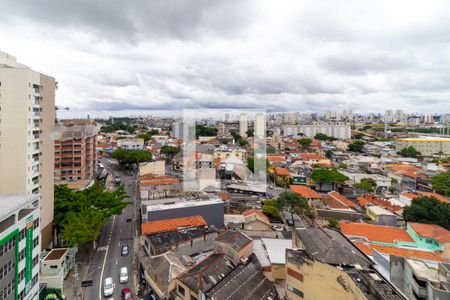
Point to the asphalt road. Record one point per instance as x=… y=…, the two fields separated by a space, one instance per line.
x=108 y=260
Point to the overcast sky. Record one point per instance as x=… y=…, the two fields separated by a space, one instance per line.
x=310 y=56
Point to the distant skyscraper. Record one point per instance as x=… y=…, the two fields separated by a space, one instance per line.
x=243 y=125
x=27 y=148
x=260 y=125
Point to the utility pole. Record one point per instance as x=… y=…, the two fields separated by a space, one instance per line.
x=75 y=285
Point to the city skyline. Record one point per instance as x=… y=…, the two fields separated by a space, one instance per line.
x=116 y=60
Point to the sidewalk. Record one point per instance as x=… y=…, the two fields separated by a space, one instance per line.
x=84 y=261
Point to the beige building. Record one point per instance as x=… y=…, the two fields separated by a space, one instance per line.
x=27 y=113
x=427 y=146
x=243 y=125
x=225 y=152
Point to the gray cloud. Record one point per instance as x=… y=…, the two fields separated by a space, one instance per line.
x=274 y=55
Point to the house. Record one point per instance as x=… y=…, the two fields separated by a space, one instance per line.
x=313 y=158
x=381 y=216
x=236 y=245
x=328 y=266
x=160 y=273
x=130 y=143
x=172 y=224
x=431 y=237
x=255 y=220
x=312 y=196
x=55 y=266
x=271 y=256
x=153 y=186
x=338 y=197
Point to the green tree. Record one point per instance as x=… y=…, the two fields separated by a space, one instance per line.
x=441 y=183
x=356 y=146
x=169 y=150
x=305 y=142
x=293 y=203
x=129 y=157
x=328 y=153
x=251 y=163
x=201 y=130
x=145 y=136
x=270 y=209
x=327 y=175
x=236 y=136
x=250 y=133
x=367 y=184
x=333 y=223
x=242 y=142
x=79 y=215
x=409 y=152
x=428 y=210
x=324 y=137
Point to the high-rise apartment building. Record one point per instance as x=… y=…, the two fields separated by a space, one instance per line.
x=76 y=149
x=243 y=125
x=260 y=125
x=27 y=114
x=337 y=130
x=19 y=247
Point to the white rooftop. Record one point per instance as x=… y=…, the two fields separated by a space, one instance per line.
x=378 y=210
x=276 y=249
x=11 y=204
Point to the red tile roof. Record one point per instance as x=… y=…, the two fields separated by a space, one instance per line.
x=172 y=224
x=384 y=203
x=436 y=195
x=275 y=158
x=311 y=156
x=342 y=199
x=154 y=179
x=333 y=203
x=305 y=192
x=255 y=211
x=378 y=233
x=362 y=201
x=436 y=232
x=368 y=248
x=282 y=171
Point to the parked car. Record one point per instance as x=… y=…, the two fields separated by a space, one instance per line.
x=108 y=287
x=123 y=275
x=290 y=222
x=126 y=294
x=277 y=227
x=117 y=180
x=124 y=250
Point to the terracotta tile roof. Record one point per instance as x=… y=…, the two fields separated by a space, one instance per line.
x=401 y=167
x=362 y=201
x=282 y=171
x=311 y=156
x=410 y=195
x=377 y=233
x=275 y=158
x=224 y=195
x=384 y=203
x=172 y=224
x=154 y=179
x=341 y=198
x=437 y=196
x=305 y=192
x=255 y=211
x=333 y=203
x=436 y=232
x=368 y=248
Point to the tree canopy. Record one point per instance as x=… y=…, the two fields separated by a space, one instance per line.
x=356 y=146
x=242 y=142
x=147 y=136
x=79 y=215
x=324 y=137
x=201 y=130
x=119 y=125
x=251 y=163
x=293 y=203
x=409 y=152
x=169 y=150
x=441 y=183
x=305 y=142
x=128 y=157
x=367 y=184
x=328 y=175
x=428 y=210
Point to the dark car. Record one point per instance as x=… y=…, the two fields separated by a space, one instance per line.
x=126 y=294
x=124 y=250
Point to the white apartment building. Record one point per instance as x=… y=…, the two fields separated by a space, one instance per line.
x=243 y=125
x=427 y=146
x=27 y=114
x=290 y=130
x=19 y=247
x=340 y=131
x=131 y=143
x=260 y=125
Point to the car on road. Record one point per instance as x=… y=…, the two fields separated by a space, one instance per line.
x=108 y=287
x=117 y=180
x=124 y=250
x=123 y=275
x=278 y=227
x=126 y=294
x=290 y=222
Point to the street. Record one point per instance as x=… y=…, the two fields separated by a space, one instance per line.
x=108 y=260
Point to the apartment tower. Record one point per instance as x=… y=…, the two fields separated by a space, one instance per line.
x=243 y=125
x=27 y=113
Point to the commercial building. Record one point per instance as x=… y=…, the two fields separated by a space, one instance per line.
x=340 y=131
x=76 y=150
x=131 y=143
x=225 y=152
x=427 y=146
x=27 y=116
x=19 y=247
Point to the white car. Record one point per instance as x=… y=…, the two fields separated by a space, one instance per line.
x=123 y=277
x=108 y=287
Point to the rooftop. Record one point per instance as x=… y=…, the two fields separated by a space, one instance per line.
x=377 y=233
x=172 y=224
x=305 y=191
x=164 y=240
x=378 y=210
x=330 y=246
x=275 y=249
x=56 y=254
x=342 y=199
x=11 y=204
x=235 y=239
x=436 y=232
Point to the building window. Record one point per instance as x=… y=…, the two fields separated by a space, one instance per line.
x=181 y=290
x=295 y=291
